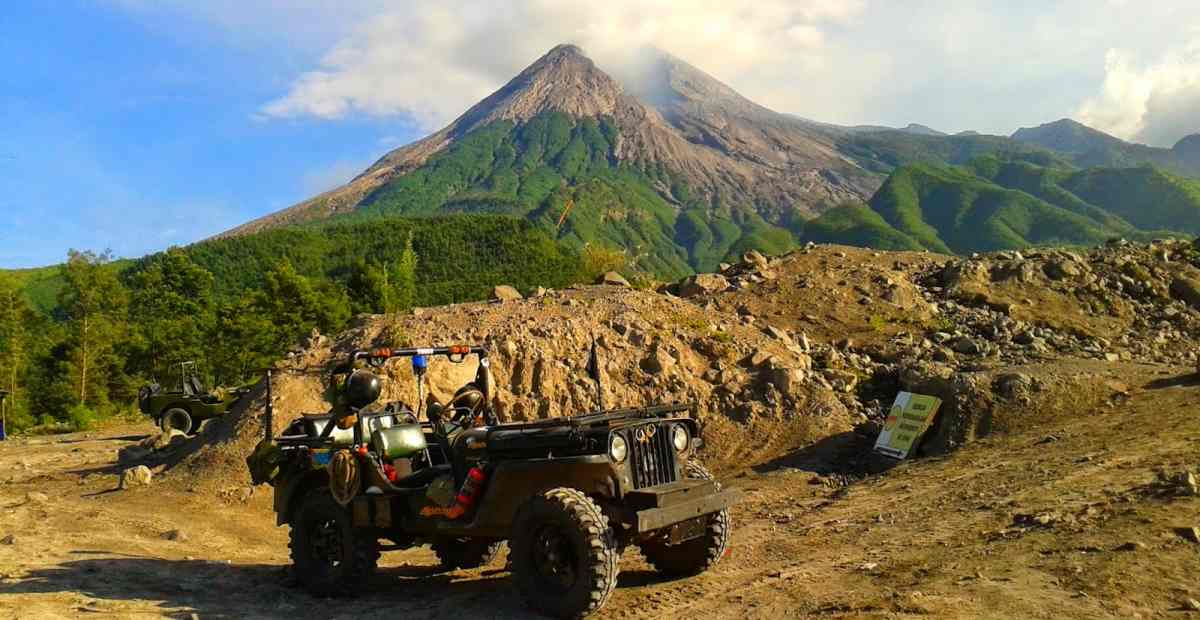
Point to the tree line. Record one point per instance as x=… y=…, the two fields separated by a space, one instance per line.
x=235 y=305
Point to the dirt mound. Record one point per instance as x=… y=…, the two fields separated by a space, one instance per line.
x=754 y=389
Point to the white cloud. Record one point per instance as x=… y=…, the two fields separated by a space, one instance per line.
x=1156 y=103
x=433 y=61
x=987 y=65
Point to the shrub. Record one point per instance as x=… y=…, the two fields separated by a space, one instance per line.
x=82 y=417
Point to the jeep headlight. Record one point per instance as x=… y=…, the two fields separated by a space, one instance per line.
x=679 y=437
x=618 y=449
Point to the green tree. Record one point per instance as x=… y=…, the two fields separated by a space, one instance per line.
x=173 y=310
x=93 y=302
x=404 y=278
x=369 y=288
x=294 y=306
x=15 y=319
x=244 y=341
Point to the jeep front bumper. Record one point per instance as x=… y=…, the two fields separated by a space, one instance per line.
x=665 y=505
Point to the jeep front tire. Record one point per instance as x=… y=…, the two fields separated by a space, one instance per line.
x=697 y=555
x=564 y=557
x=331 y=558
x=176 y=419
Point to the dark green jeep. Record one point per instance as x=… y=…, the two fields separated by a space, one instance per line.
x=186 y=407
x=568 y=494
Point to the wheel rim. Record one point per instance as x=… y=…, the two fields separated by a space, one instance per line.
x=176 y=422
x=325 y=543
x=554 y=558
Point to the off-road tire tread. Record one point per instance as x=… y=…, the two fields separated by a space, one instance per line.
x=365 y=558
x=458 y=553
x=698 y=555
x=603 y=560
x=162 y=421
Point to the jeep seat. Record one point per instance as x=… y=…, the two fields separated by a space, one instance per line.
x=368 y=423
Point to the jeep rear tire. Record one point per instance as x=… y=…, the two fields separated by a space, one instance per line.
x=563 y=554
x=176 y=419
x=697 y=555
x=465 y=553
x=331 y=558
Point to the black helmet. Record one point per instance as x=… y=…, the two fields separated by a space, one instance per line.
x=362 y=389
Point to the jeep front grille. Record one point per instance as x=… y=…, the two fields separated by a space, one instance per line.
x=651 y=456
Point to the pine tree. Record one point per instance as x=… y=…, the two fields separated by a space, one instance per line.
x=173 y=310
x=404 y=280
x=15 y=315
x=94 y=302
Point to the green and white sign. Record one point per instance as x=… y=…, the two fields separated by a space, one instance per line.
x=907 y=421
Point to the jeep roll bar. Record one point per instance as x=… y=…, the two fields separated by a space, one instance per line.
x=381 y=355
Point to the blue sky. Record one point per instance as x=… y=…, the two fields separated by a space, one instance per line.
x=138 y=124
x=134 y=132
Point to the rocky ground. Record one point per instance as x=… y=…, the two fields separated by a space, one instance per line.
x=1060 y=480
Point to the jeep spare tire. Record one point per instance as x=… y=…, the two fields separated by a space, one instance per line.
x=697 y=555
x=176 y=419
x=563 y=553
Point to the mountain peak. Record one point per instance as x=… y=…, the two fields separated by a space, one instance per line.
x=563 y=80
x=1188 y=144
x=565 y=49
x=1068 y=136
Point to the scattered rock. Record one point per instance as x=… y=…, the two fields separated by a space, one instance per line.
x=505 y=292
x=36 y=497
x=1191 y=604
x=169 y=439
x=779 y=334
x=1061 y=270
x=135 y=476
x=754 y=259
x=176 y=536
x=1133 y=545
x=657 y=361
x=702 y=284
x=8 y=540
x=613 y=278
x=789 y=381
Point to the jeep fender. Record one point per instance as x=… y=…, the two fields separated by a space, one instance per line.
x=289 y=493
x=512 y=483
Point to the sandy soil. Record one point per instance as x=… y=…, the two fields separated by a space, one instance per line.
x=1062 y=519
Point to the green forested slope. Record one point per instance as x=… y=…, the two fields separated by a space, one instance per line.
x=1000 y=202
x=555 y=164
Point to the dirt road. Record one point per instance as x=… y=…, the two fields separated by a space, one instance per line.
x=1065 y=520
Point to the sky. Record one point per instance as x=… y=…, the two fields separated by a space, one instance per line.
x=139 y=124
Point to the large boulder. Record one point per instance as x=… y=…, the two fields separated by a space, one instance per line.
x=703 y=284
x=754 y=260
x=789 y=381
x=505 y=292
x=1061 y=270
x=136 y=476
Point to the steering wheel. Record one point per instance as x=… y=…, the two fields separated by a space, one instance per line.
x=463 y=417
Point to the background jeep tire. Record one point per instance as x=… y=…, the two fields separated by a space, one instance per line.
x=694 y=556
x=331 y=558
x=564 y=557
x=456 y=553
x=177 y=419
